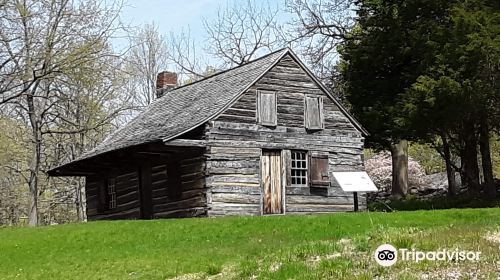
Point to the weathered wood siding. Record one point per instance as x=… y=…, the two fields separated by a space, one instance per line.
x=190 y=200
x=235 y=141
x=127 y=196
x=233 y=180
x=306 y=200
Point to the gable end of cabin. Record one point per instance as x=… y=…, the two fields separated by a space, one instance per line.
x=274 y=150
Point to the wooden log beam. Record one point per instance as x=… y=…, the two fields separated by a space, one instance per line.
x=186 y=143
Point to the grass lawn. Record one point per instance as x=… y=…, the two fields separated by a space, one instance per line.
x=338 y=246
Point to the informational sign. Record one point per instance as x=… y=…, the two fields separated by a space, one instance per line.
x=355 y=181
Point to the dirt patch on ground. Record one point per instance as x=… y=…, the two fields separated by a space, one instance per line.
x=228 y=272
x=493 y=236
x=190 y=276
x=487 y=270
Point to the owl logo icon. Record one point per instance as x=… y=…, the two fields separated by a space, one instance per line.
x=386 y=255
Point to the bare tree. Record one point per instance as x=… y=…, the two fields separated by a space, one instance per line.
x=42 y=42
x=148 y=55
x=241 y=32
x=237 y=35
x=317 y=28
x=91 y=101
x=183 y=54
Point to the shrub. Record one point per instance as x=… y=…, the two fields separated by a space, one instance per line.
x=495 y=154
x=379 y=167
x=440 y=202
x=428 y=157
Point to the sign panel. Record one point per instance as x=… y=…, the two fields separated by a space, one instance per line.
x=355 y=181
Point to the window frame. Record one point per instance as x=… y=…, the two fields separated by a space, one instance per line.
x=307 y=114
x=111 y=194
x=259 y=108
x=293 y=167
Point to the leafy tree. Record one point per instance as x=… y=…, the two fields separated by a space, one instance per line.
x=426 y=155
x=495 y=151
x=457 y=98
x=13 y=170
x=42 y=44
x=92 y=104
x=383 y=56
x=379 y=167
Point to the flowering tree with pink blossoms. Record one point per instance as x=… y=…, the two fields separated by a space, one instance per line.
x=379 y=167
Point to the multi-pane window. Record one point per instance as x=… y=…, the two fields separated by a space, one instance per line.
x=299 y=168
x=111 y=193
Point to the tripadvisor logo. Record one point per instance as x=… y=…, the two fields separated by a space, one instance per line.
x=387 y=255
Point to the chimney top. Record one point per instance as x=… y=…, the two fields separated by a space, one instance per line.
x=165 y=81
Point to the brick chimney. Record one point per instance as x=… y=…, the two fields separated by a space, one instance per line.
x=165 y=81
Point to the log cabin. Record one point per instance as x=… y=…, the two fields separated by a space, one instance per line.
x=262 y=138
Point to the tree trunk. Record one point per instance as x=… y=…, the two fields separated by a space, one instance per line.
x=484 y=147
x=80 y=209
x=33 y=187
x=461 y=171
x=399 y=153
x=33 y=197
x=35 y=162
x=78 y=201
x=450 y=172
x=470 y=163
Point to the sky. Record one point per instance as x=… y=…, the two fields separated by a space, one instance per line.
x=171 y=15
x=174 y=15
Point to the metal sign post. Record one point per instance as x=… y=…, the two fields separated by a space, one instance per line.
x=355 y=194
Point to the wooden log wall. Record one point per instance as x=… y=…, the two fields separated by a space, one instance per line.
x=235 y=142
x=190 y=200
x=187 y=200
x=127 y=196
x=233 y=181
x=159 y=184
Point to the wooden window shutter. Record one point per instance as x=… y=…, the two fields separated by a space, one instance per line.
x=174 y=180
x=319 y=175
x=314 y=112
x=102 y=196
x=266 y=108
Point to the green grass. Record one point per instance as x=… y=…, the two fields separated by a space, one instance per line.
x=338 y=246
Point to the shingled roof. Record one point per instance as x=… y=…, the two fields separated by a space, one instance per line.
x=185 y=107
x=189 y=106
